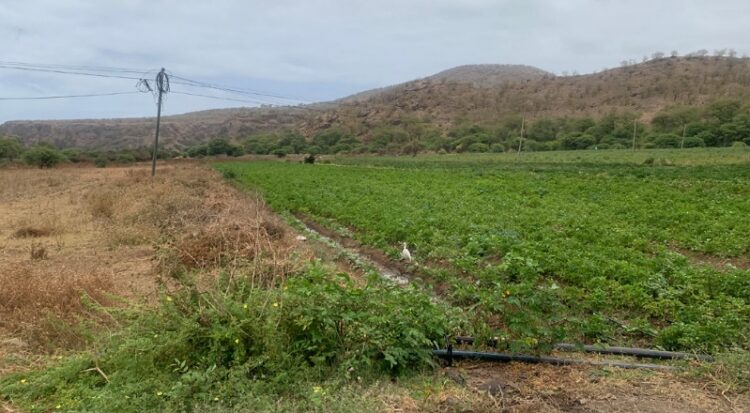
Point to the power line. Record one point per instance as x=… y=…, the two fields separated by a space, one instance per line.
x=68 y=72
x=67 y=96
x=143 y=84
x=89 y=68
x=196 y=83
x=220 y=98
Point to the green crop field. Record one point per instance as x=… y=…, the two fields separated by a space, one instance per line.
x=647 y=248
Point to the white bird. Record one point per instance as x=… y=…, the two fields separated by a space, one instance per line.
x=405 y=254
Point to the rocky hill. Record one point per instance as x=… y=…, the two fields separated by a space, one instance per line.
x=476 y=93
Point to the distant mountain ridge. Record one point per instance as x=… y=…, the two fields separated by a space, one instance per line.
x=473 y=93
x=481 y=75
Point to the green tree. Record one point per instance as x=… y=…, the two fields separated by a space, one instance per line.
x=674 y=119
x=10 y=148
x=665 y=140
x=293 y=141
x=736 y=130
x=219 y=147
x=543 y=130
x=723 y=111
x=478 y=147
x=577 y=141
x=43 y=156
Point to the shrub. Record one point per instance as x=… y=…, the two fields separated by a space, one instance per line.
x=32 y=232
x=197 y=151
x=126 y=158
x=10 y=148
x=236 y=339
x=43 y=157
x=667 y=140
x=280 y=153
x=478 y=147
x=577 y=141
x=100 y=162
x=102 y=204
x=229 y=174
x=694 y=142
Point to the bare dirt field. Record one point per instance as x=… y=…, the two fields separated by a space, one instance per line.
x=74 y=232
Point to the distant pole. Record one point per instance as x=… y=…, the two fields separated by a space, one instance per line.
x=635 y=130
x=162 y=84
x=520 y=142
x=684 y=129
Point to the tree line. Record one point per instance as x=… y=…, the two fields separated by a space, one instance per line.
x=721 y=123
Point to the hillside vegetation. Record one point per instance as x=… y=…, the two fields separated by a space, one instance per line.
x=490 y=97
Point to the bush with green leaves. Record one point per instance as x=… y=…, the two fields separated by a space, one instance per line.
x=218 y=346
x=43 y=156
x=10 y=148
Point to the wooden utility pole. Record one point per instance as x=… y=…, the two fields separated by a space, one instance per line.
x=520 y=141
x=162 y=86
x=635 y=130
x=684 y=129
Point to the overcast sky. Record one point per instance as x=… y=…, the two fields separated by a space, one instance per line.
x=324 y=49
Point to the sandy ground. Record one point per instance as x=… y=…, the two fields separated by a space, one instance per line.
x=67 y=231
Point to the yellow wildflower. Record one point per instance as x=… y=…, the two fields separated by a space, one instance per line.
x=244 y=306
x=275 y=304
x=236 y=341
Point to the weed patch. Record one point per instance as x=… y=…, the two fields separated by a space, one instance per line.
x=216 y=347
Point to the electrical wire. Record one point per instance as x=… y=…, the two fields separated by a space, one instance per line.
x=251 y=92
x=145 y=86
x=74 y=67
x=219 y=97
x=67 y=96
x=69 y=72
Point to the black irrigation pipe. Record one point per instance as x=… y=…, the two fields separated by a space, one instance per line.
x=613 y=350
x=451 y=354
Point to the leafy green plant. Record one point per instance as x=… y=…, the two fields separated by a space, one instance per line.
x=578 y=246
x=43 y=157
x=219 y=345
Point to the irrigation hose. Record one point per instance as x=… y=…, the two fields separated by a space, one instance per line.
x=506 y=358
x=613 y=350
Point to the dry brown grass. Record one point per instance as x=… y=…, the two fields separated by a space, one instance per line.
x=101 y=233
x=40 y=304
x=32 y=232
x=517 y=387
